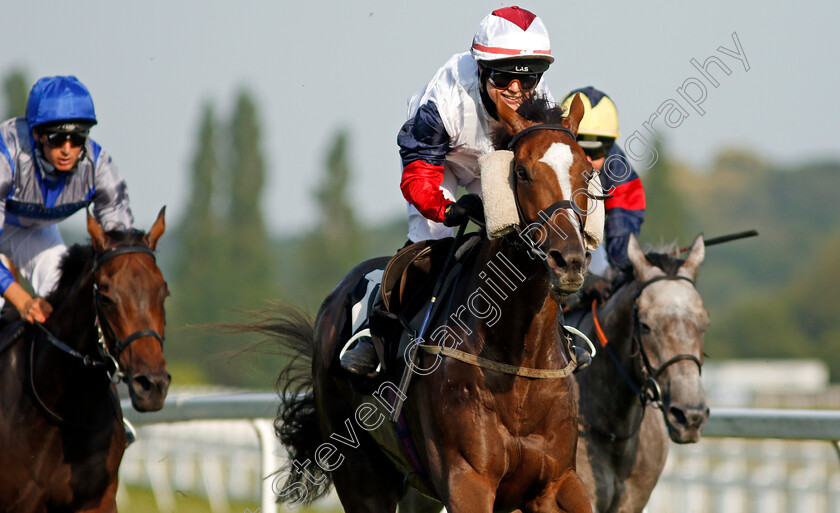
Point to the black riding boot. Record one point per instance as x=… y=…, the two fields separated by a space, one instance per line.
x=582 y=357
x=360 y=359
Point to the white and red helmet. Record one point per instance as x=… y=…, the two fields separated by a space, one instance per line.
x=512 y=33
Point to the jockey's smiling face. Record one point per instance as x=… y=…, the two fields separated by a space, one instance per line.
x=61 y=149
x=511 y=87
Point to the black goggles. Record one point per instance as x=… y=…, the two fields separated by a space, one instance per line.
x=502 y=79
x=56 y=139
x=597 y=148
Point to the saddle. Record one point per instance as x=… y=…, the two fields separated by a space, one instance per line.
x=405 y=289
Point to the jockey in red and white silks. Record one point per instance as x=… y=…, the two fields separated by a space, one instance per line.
x=450 y=119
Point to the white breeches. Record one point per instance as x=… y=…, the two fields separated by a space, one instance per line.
x=36 y=252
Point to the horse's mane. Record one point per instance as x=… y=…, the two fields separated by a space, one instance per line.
x=536 y=108
x=79 y=257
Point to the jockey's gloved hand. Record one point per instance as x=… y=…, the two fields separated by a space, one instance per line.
x=468 y=206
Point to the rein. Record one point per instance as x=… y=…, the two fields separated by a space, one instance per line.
x=650 y=392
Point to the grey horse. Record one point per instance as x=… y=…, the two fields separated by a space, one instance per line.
x=653 y=326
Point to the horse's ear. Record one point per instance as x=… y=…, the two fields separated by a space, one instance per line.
x=510 y=118
x=694 y=259
x=157 y=230
x=576 y=110
x=97 y=234
x=643 y=269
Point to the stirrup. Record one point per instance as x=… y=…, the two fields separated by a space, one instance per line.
x=358 y=360
x=583 y=358
x=130 y=433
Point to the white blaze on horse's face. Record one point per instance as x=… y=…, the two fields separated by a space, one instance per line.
x=559 y=158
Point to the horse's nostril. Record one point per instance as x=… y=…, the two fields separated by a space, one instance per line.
x=679 y=416
x=558 y=258
x=144 y=382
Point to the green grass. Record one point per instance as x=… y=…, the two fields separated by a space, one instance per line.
x=141 y=500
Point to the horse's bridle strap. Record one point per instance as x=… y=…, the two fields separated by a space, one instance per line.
x=505 y=368
x=122 y=344
x=533 y=128
x=111 y=253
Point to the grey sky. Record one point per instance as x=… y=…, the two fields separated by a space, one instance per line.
x=317 y=66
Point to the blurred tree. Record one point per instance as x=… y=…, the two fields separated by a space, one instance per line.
x=666 y=218
x=250 y=276
x=16 y=90
x=335 y=246
x=198 y=296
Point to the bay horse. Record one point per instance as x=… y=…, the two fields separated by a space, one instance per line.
x=61 y=429
x=653 y=325
x=488 y=440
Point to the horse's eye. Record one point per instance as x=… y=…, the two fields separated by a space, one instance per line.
x=105 y=300
x=645 y=328
x=521 y=173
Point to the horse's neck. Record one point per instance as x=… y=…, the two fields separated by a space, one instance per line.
x=523 y=328
x=72 y=323
x=604 y=390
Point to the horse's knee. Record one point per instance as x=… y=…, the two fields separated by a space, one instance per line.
x=572 y=496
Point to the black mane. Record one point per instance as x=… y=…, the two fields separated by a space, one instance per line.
x=536 y=108
x=79 y=259
x=668 y=263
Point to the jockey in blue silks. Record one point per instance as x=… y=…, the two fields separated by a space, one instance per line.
x=49 y=169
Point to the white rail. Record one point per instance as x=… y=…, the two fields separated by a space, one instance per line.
x=257 y=407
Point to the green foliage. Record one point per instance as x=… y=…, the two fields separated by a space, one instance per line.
x=16 y=91
x=335 y=245
x=224 y=264
x=249 y=276
x=666 y=218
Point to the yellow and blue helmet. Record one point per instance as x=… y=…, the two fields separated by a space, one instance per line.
x=600 y=117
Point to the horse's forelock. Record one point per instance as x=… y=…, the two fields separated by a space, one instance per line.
x=75 y=261
x=536 y=108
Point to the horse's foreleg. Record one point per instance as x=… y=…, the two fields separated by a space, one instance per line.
x=108 y=503
x=415 y=502
x=572 y=496
x=468 y=492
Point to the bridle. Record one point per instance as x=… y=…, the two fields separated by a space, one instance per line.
x=649 y=393
x=100 y=320
x=548 y=212
x=109 y=362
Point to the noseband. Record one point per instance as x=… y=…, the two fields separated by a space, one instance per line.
x=100 y=320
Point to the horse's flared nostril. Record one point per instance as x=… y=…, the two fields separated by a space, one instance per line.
x=154 y=383
x=143 y=383
x=690 y=417
x=558 y=259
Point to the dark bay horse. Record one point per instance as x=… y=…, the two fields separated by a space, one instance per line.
x=654 y=326
x=61 y=430
x=488 y=440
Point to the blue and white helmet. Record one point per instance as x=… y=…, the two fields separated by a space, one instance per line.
x=61 y=102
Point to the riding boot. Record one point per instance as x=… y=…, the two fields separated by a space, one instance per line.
x=361 y=359
x=582 y=357
x=130 y=434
